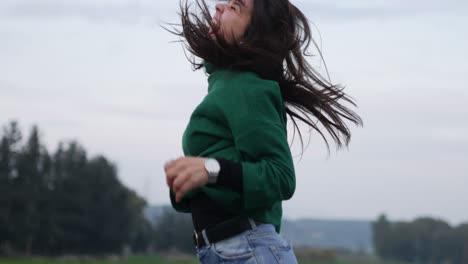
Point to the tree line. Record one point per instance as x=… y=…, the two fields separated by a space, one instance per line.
x=64 y=202
x=423 y=240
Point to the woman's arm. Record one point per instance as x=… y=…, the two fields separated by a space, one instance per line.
x=255 y=115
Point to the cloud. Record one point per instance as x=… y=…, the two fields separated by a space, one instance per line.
x=353 y=9
x=7 y=88
x=127 y=11
x=116 y=11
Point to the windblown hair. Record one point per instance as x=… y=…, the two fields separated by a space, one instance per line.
x=275 y=47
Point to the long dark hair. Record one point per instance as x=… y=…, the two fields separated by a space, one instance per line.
x=275 y=47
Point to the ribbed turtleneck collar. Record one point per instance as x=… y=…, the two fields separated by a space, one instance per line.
x=209 y=67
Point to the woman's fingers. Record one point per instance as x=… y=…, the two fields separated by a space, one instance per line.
x=185 y=174
x=188 y=185
x=195 y=179
x=172 y=169
x=168 y=164
x=180 y=180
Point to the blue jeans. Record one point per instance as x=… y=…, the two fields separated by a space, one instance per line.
x=262 y=245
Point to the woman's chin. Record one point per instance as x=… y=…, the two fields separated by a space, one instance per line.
x=213 y=36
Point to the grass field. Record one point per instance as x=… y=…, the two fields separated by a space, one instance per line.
x=140 y=260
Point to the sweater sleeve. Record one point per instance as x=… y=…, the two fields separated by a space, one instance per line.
x=258 y=125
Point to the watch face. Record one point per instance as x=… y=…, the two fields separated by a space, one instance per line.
x=212 y=166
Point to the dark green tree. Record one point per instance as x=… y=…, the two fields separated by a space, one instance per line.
x=381 y=232
x=401 y=242
x=445 y=246
x=9 y=149
x=425 y=242
x=68 y=206
x=32 y=164
x=116 y=211
x=461 y=250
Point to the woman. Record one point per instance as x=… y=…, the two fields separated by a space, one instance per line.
x=238 y=168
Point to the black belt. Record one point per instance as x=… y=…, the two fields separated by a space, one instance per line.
x=223 y=231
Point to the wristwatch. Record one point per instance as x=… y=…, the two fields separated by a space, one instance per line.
x=212 y=167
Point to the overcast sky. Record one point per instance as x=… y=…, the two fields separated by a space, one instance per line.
x=105 y=73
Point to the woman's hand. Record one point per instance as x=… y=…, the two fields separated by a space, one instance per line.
x=185 y=174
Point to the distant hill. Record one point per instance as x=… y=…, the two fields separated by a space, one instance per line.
x=342 y=234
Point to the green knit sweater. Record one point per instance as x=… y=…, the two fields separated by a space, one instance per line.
x=243 y=119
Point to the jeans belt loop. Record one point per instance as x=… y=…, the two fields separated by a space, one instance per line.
x=195 y=234
x=205 y=237
x=252 y=223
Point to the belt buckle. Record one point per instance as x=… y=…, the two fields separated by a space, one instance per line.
x=195 y=237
